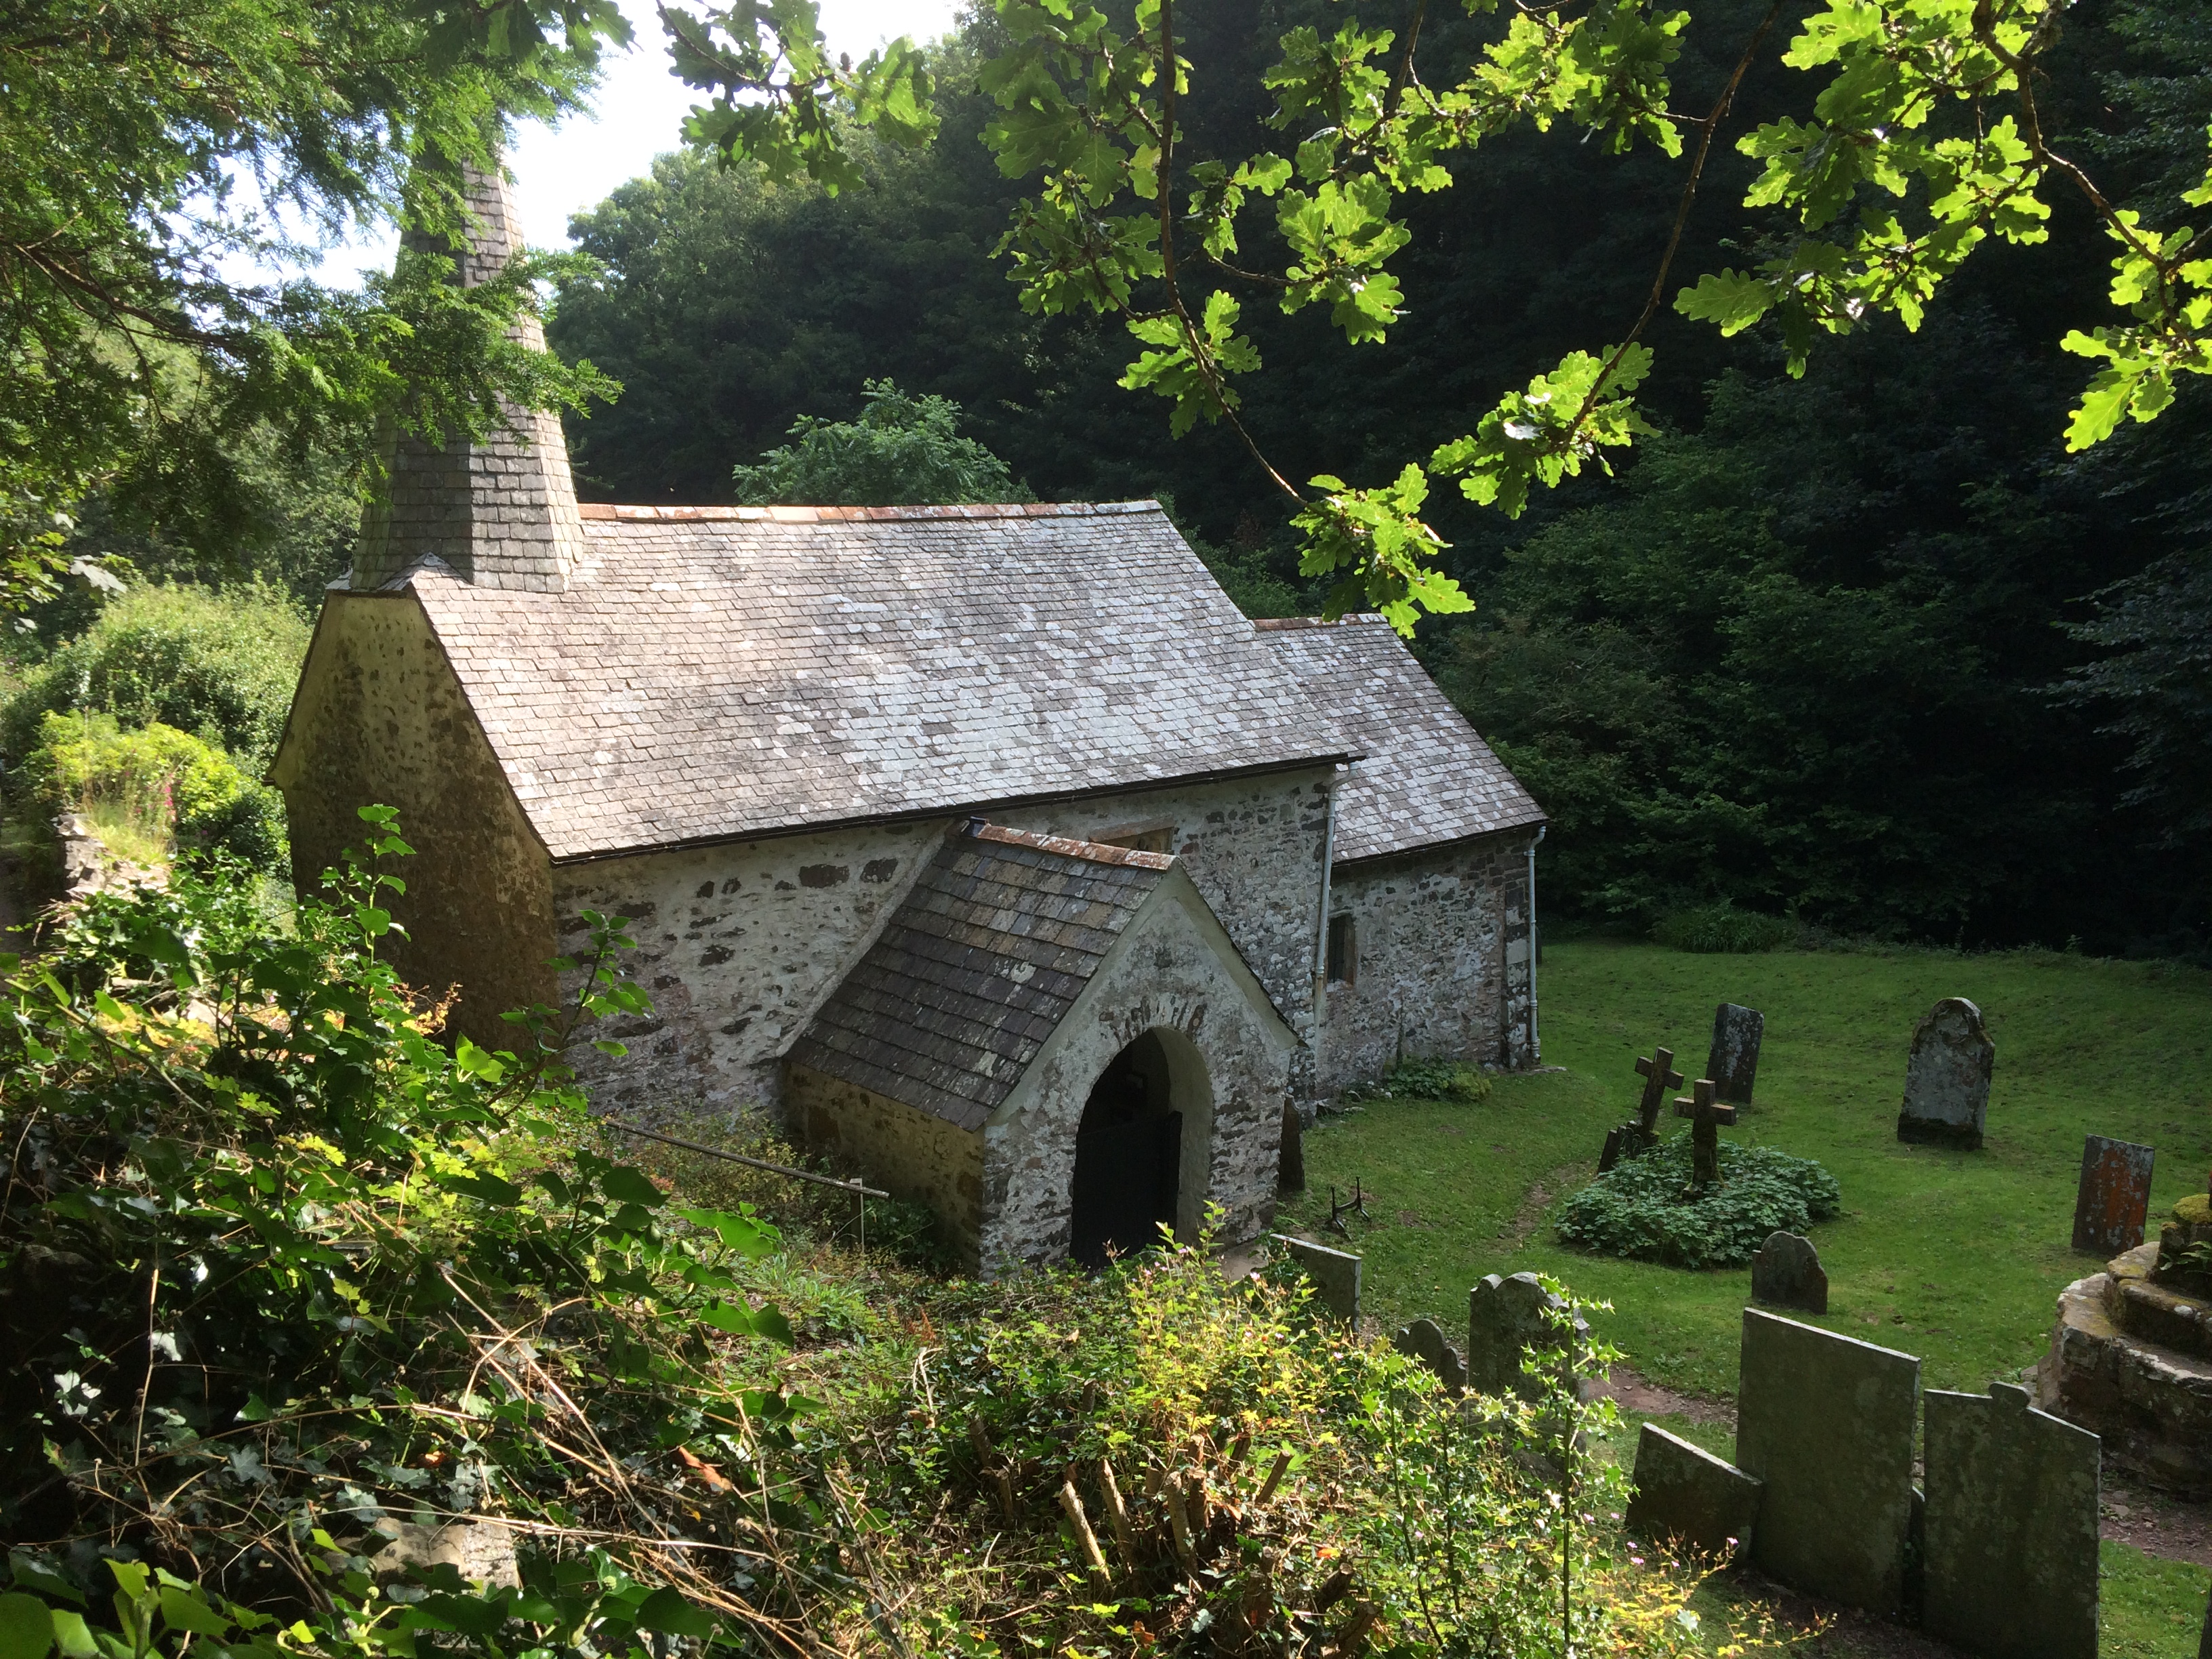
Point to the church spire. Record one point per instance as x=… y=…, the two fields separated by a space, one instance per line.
x=500 y=512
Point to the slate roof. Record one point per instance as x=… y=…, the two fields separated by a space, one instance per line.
x=712 y=674
x=988 y=951
x=1426 y=776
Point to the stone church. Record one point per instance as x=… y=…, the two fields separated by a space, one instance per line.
x=990 y=849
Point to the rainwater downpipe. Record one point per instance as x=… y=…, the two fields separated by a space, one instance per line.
x=1535 y=1044
x=1321 y=933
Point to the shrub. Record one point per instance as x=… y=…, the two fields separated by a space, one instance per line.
x=1644 y=1209
x=137 y=788
x=1428 y=1079
x=1722 y=930
x=218 y=664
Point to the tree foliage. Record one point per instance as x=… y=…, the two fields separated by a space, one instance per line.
x=902 y=451
x=149 y=150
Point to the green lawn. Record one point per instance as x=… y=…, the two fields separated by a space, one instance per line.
x=1957 y=1257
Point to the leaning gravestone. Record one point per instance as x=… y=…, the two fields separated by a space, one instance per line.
x=1733 y=1065
x=1787 y=1273
x=1504 y=1316
x=1335 y=1274
x=1291 y=1164
x=2205 y=1642
x=1423 y=1340
x=2114 y=1201
x=1827 y=1422
x=2010 y=1547
x=1686 y=1493
x=1947 y=1078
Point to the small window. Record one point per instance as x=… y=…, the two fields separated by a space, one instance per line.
x=1343 y=951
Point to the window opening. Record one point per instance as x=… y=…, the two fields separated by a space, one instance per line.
x=1343 y=950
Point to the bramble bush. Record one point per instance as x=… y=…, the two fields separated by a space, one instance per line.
x=1722 y=930
x=1643 y=1208
x=138 y=789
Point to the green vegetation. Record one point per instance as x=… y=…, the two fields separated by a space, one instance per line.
x=1958 y=1257
x=1643 y=1208
x=902 y=451
x=271 y=1243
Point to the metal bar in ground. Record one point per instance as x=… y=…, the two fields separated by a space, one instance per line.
x=853 y=1186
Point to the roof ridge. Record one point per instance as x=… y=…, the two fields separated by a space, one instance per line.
x=1280 y=624
x=863 y=514
x=1068 y=846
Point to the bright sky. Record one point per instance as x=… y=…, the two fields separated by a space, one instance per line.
x=638 y=113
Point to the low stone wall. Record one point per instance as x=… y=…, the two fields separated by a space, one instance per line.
x=2152 y=1404
x=910 y=1154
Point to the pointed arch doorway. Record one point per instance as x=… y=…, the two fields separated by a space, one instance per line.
x=1131 y=1150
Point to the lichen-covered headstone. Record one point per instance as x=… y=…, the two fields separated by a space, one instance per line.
x=1733 y=1065
x=1787 y=1273
x=1685 y=1494
x=1826 y=1422
x=2114 y=1200
x=1335 y=1274
x=2010 y=1548
x=1946 y=1077
x=1504 y=1316
x=1425 y=1340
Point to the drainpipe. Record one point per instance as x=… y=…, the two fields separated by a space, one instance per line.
x=1535 y=1044
x=1320 y=932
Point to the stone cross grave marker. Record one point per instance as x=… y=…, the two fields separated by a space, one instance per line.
x=2114 y=1201
x=1707 y=1118
x=1686 y=1493
x=1787 y=1273
x=1636 y=1139
x=1826 y=1422
x=1504 y=1316
x=1423 y=1340
x=2010 y=1541
x=1732 y=1063
x=1947 y=1078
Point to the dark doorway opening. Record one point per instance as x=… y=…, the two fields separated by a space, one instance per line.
x=1128 y=1157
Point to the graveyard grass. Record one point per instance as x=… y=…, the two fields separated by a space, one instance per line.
x=1955 y=1257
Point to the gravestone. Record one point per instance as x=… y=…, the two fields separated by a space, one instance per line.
x=1335 y=1274
x=2010 y=1550
x=1733 y=1065
x=1684 y=1492
x=1504 y=1316
x=1826 y=1422
x=1291 y=1164
x=2205 y=1642
x=2114 y=1201
x=1423 y=1340
x=1640 y=1134
x=1708 y=1117
x=1787 y=1273
x=1946 y=1077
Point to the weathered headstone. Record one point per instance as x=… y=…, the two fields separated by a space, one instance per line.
x=1707 y=1118
x=1425 y=1340
x=2010 y=1549
x=2205 y=1642
x=1335 y=1274
x=1686 y=1493
x=1291 y=1164
x=2114 y=1201
x=1827 y=1422
x=1733 y=1065
x=1504 y=1316
x=1946 y=1077
x=1787 y=1273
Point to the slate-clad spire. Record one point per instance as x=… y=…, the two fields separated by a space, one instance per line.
x=502 y=513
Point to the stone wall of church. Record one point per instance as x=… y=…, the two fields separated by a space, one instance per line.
x=1440 y=966
x=738 y=946
x=381 y=720
x=1163 y=975
x=909 y=1153
x=740 y=943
